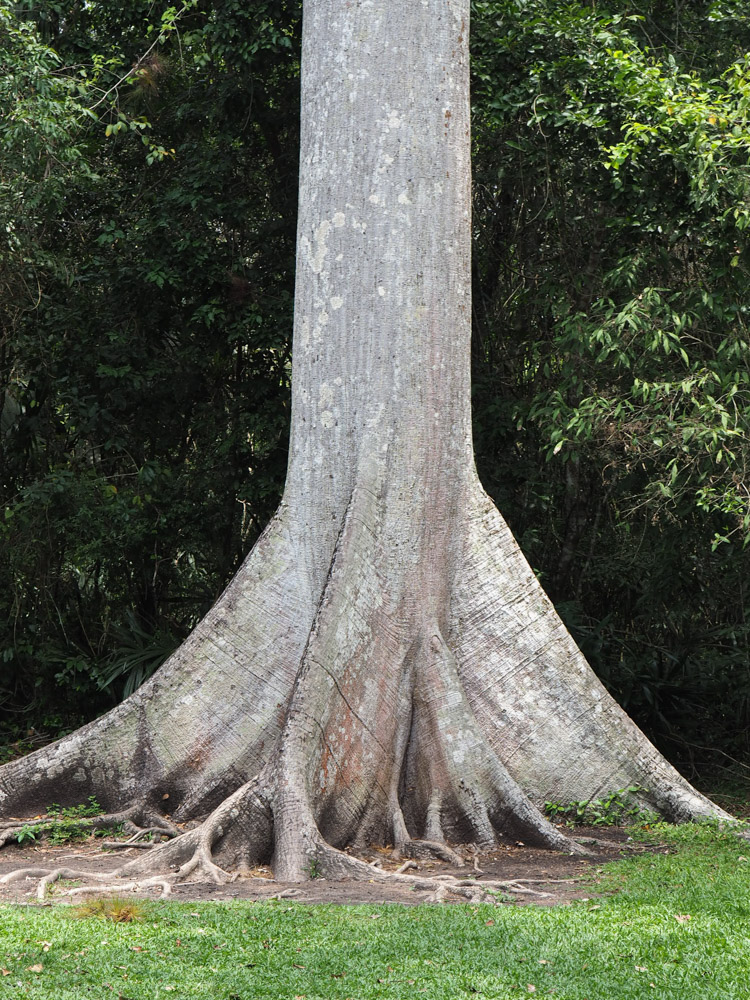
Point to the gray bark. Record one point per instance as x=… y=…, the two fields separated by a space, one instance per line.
x=384 y=666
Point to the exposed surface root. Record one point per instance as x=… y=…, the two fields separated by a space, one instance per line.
x=332 y=863
x=188 y=854
x=254 y=822
x=440 y=886
x=475 y=892
x=194 y=850
x=47 y=879
x=430 y=849
x=135 y=841
x=404 y=867
x=165 y=884
x=243 y=816
x=203 y=864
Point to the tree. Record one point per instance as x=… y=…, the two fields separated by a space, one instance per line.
x=384 y=666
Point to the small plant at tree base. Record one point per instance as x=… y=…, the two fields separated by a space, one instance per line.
x=313 y=869
x=69 y=821
x=616 y=809
x=27 y=833
x=117 y=831
x=65 y=823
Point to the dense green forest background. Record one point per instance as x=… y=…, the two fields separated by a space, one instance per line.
x=148 y=176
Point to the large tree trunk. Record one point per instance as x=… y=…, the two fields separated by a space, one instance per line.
x=384 y=666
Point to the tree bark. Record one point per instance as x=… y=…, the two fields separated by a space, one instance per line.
x=384 y=666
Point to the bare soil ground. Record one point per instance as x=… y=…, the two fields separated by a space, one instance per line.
x=551 y=879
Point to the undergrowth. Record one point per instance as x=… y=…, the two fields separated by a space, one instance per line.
x=62 y=824
x=619 y=808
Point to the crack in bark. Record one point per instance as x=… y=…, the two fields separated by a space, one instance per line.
x=346 y=701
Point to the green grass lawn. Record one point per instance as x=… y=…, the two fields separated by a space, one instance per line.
x=678 y=927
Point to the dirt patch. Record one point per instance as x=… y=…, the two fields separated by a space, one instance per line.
x=549 y=878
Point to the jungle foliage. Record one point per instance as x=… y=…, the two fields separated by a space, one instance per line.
x=148 y=175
